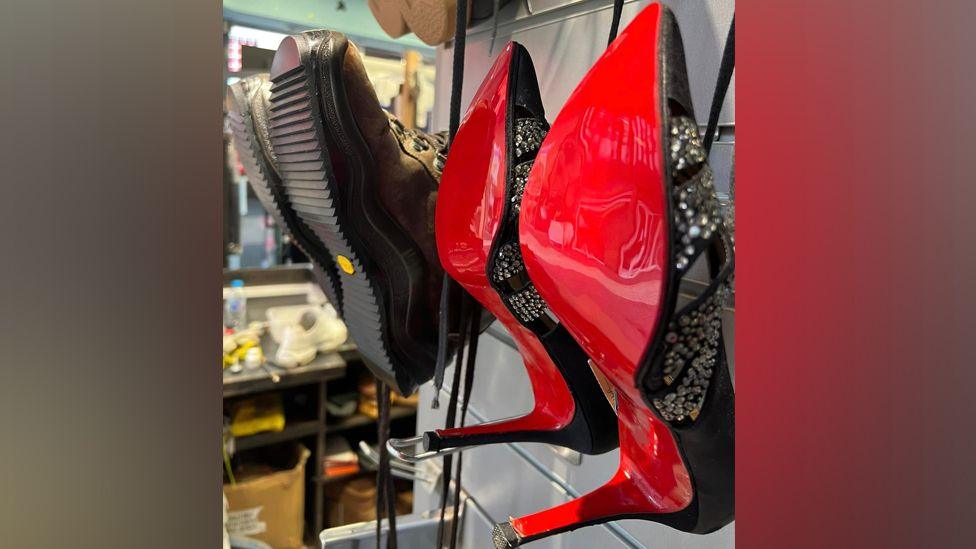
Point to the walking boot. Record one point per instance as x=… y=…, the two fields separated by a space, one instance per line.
x=366 y=186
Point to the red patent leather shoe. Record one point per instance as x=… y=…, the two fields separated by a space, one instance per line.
x=477 y=240
x=619 y=205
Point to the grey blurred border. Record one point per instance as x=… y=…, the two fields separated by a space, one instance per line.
x=110 y=213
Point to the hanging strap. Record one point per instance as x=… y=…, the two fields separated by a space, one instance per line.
x=448 y=460
x=385 y=490
x=495 y=6
x=473 y=333
x=725 y=70
x=457 y=75
x=443 y=336
x=450 y=292
x=618 y=6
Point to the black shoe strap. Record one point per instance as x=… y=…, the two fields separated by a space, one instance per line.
x=618 y=6
x=725 y=70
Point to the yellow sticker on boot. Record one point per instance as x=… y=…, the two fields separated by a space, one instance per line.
x=345 y=264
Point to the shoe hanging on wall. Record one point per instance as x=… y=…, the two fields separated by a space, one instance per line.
x=387 y=13
x=247 y=112
x=477 y=238
x=433 y=21
x=619 y=205
x=366 y=187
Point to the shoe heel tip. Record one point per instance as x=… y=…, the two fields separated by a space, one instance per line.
x=432 y=442
x=504 y=536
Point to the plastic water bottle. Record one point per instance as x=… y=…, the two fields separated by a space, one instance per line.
x=235 y=307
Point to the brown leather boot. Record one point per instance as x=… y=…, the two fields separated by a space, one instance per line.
x=247 y=112
x=367 y=188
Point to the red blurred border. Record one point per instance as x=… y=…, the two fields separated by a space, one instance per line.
x=855 y=275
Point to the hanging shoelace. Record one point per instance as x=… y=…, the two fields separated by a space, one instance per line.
x=722 y=83
x=726 y=67
x=455 y=329
x=618 y=6
x=449 y=423
x=473 y=333
x=495 y=6
x=448 y=328
x=385 y=490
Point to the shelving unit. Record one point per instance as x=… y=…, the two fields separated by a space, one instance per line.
x=337 y=372
x=317 y=374
x=359 y=420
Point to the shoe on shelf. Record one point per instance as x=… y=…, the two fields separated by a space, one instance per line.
x=326 y=329
x=618 y=207
x=298 y=347
x=366 y=187
x=477 y=238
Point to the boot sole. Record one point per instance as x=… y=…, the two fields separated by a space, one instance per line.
x=264 y=179
x=328 y=174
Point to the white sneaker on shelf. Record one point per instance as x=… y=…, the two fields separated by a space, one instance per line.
x=297 y=348
x=330 y=331
x=326 y=329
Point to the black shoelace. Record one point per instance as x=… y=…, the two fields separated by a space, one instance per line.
x=618 y=6
x=459 y=330
x=385 y=489
x=725 y=70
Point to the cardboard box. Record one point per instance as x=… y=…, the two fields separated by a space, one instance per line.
x=268 y=505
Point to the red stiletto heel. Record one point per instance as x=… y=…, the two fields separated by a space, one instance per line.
x=618 y=207
x=477 y=239
x=639 y=485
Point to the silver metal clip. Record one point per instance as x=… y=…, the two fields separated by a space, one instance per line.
x=405 y=449
x=397 y=469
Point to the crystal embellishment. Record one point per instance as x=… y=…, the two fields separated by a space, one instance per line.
x=527 y=304
x=521 y=177
x=691 y=344
x=508 y=262
x=686 y=146
x=697 y=214
x=529 y=133
x=690 y=358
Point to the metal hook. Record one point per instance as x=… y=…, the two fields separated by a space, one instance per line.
x=402 y=448
x=399 y=470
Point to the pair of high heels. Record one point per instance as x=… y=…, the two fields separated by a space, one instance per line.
x=575 y=237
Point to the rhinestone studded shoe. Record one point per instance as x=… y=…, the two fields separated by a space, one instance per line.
x=618 y=209
x=247 y=113
x=477 y=237
x=366 y=187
